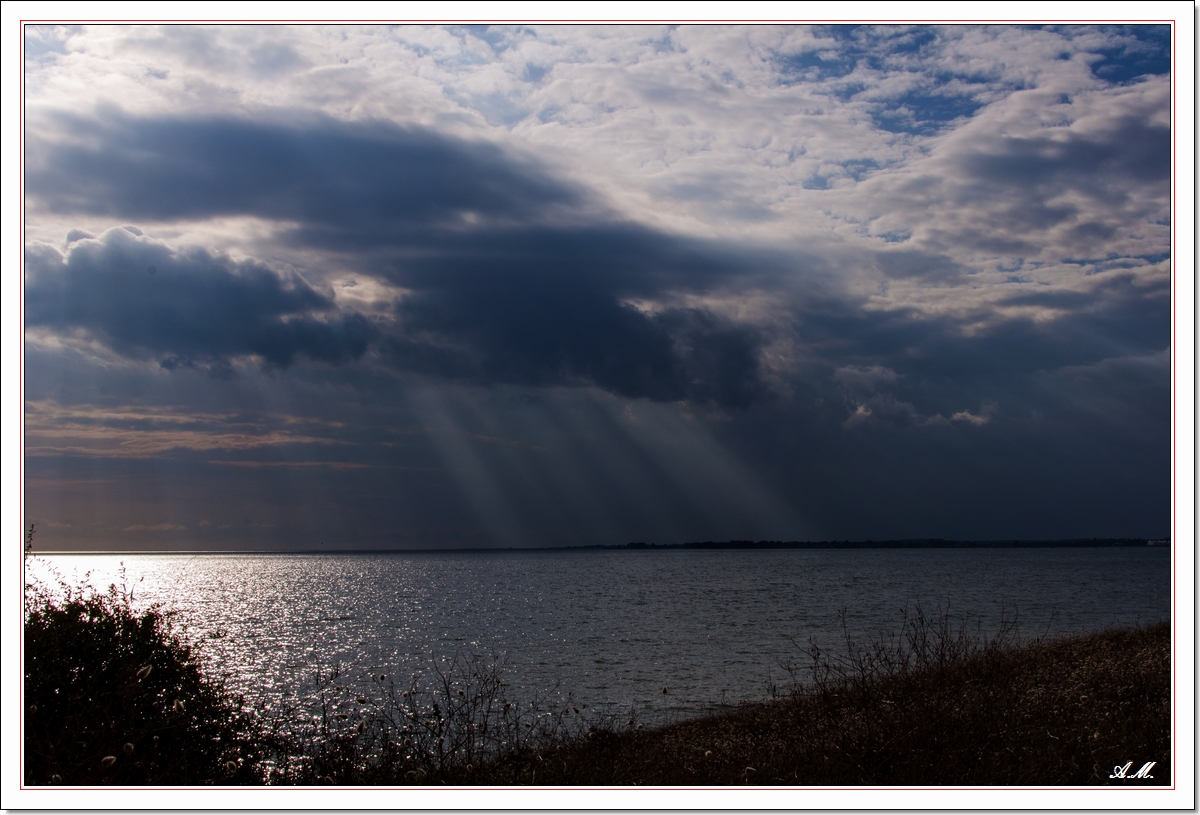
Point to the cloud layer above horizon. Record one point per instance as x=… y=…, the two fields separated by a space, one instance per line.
x=459 y=286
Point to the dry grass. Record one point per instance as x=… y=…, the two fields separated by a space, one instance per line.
x=425 y=731
x=1057 y=713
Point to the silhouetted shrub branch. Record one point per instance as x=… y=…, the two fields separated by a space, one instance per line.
x=431 y=728
x=114 y=696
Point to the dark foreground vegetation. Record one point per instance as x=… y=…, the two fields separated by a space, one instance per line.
x=114 y=697
x=1057 y=713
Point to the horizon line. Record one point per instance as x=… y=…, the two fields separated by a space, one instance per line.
x=894 y=543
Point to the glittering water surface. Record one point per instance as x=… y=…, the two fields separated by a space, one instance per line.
x=609 y=628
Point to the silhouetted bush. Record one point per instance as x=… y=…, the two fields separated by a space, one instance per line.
x=113 y=696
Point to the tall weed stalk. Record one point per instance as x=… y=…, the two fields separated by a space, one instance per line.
x=433 y=727
x=922 y=643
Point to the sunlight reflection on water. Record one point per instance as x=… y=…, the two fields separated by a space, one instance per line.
x=610 y=628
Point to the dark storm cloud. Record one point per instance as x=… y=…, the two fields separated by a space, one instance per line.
x=545 y=306
x=514 y=277
x=915 y=372
x=546 y=337
x=1101 y=164
x=506 y=285
x=372 y=180
x=1066 y=189
x=192 y=307
x=906 y=264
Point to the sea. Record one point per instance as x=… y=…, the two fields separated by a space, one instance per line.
x=660 y=634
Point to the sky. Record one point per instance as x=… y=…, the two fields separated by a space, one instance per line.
x=473 y=286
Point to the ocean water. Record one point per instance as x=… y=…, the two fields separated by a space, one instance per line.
x=610 y=629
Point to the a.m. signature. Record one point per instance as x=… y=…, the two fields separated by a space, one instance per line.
x=1123 y=772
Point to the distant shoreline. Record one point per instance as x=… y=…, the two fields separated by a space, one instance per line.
x=638 y=546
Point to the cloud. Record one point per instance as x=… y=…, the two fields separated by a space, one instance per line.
x=976 y=419
x=504 y=279
x=184 y=307
x=366 y=181
x=885 y=410
x=913 y=264
x=864 y=377
x=140 y=432
x=333 y=465
x=1033 y=180
x=548 y=308
x=1132 y=390
x=536 y=308
x=1099 y=164
x=498 y=273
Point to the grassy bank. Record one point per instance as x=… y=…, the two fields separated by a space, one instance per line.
x=1058 y=713
x=113 y=696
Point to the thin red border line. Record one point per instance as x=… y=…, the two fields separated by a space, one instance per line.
x=668 y=21
x=1174 y=412
x=627 y=788
x=21 y=386
x=1174 y=419
x=615 y=788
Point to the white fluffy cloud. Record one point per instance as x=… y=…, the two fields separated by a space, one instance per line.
x=906 y=156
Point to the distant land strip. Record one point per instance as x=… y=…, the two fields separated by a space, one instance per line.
x=911 y=543
x=907 y=543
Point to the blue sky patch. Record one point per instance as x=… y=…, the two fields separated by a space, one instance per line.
x=1144 y=50
x=923 y=113
x=859 y=168
x=816 y=65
